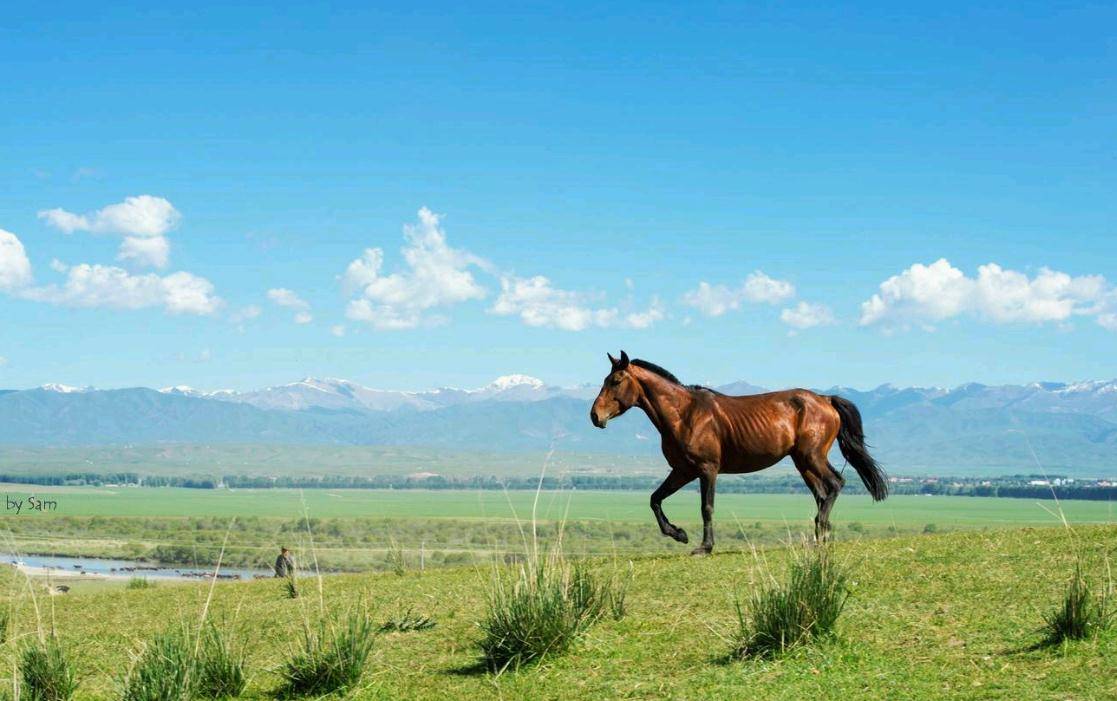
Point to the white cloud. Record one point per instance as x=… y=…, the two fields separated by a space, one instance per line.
x=153 y=251
x=436 y=276
x=246 y=313
x=284 y=297
x=362 y=271
x=538 y=303
x=338 y=330
x=15 y=267
x=925 y=294
x=141 y=215
x=107 y=286
x=90 y=286
x=759 y=287
x=645 y=319
x=65 y=221
x=715 y=300
x=806 y=315
x=143 y=220
x=3 y=361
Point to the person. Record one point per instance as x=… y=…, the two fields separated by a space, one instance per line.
x=284 y=564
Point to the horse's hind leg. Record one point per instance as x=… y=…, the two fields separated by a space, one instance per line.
x=834 y=484
x=708 y=481
x=824 y=484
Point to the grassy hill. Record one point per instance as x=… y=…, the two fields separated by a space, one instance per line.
x=949 y=616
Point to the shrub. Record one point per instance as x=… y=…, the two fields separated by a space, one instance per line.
x=804 y=608
x=542 y=611
x=332 y=657
x=46 y=674
x=1081 y=614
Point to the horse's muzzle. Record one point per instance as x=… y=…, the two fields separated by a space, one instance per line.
x=600 y=423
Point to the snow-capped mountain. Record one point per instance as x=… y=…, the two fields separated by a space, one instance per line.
x=187 y=391
x=1072 y=427
x=64 y=389
x=344 y=395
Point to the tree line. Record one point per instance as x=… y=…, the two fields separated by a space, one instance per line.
x=1015 y=486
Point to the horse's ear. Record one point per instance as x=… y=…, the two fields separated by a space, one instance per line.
x=612 y=360
x=624 y=361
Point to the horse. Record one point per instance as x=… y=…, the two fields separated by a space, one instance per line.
x=706 y=433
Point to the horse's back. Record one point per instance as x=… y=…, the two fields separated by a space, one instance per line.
x=759 y=430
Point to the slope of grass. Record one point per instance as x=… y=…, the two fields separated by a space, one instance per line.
x=943 y=616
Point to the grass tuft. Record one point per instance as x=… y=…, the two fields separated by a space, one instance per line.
x=407 y=621
x=163 y=669
x=291 y=587
x=220 y=669
x=140 y=583
x=1081 y=614
x=617 y=593
x=177 y=665
x=397 y=561
x=805 y=607
x=46 y=674
x=331 y=658
x=548 y=603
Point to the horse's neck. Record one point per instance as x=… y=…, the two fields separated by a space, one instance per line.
x=664 y=402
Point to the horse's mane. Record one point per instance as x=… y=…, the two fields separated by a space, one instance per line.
x=666 y=374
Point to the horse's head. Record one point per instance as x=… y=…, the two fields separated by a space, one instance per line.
x=619 y=392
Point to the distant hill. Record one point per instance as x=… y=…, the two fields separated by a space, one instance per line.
x=970 y=429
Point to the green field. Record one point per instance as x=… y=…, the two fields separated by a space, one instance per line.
x=947 y=616
x=357 y=530
x=294 y=460
x=611 y=506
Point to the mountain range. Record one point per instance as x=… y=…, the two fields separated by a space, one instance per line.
x=970 y=429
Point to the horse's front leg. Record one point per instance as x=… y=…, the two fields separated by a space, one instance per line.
x=707 y=481
x=675 y=481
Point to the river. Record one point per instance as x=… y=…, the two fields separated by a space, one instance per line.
x=100 y=568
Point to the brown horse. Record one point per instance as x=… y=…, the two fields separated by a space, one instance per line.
x=706 y=433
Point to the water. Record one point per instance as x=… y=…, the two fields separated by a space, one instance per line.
x=93 y=567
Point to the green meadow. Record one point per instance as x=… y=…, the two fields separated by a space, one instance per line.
x=608 y=506
x=366 y=530
x=949 y=616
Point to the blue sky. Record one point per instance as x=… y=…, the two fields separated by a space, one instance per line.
x=182 y=186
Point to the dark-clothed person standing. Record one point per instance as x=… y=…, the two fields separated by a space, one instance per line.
x=284 y=564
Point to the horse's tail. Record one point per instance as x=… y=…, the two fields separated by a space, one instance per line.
x=851 y=441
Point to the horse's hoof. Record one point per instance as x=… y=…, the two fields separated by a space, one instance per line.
x=680 y=535
x=701 y=551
